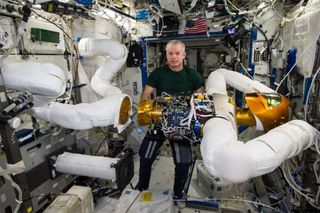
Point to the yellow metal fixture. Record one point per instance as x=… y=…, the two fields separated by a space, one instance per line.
x=125 y=110
x=271 y=109
x=245 y=117
x=149 y=112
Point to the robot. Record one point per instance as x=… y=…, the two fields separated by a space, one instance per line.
x=213 y=119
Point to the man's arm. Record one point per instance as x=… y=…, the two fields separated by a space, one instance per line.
x=146 y=94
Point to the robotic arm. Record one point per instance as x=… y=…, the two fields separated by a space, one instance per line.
x=266 y=108
x=237 y=161
x=47 y=82
x=101 y=80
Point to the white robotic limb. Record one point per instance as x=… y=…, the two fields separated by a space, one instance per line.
x=236 y=161
x=46 y=82
x=101 y=80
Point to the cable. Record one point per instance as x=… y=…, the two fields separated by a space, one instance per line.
x=261 y=10
x=274 y=8
x=132 y=202
x=293 y=181
x=231 y=199
x=103 y=142
x=247 y=72
x=51 y=195
x=264 y=35
x=315 y=169
x=227 y=8
x=312 y=45
x=309 y=199
x=16 y=187
x=157 y=13
x=308 y=95
x=278 y=196
x=286 y=20
x=317 y=143
x=21 y=30
x=233 y=5
x=259 y=201
x=7 y=53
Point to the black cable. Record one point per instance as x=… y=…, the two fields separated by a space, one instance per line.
x=36 y=196
x=264 y=34
x=49 y=195
x=104 y=141
x=26 y=13
x=305 y=2
x=133 y=202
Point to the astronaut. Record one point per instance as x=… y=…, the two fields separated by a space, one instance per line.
x=175 y=79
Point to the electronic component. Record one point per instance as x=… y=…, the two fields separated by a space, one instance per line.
x=168 y=26
x=38 y=34
x=135 y=55
x=178 y=116
x=62 y=8
x=10 y=9
x=7 y=34
x=260 y=51
x=7 y=194
x=43 y=38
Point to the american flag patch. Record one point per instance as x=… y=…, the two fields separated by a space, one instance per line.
x=196 y=26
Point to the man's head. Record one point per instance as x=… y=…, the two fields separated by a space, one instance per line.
x=175 y=54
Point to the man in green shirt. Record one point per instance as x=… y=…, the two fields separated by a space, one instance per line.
x=173 y=78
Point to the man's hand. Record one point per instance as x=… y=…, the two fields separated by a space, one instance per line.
x=200 y=90
x=146 y=94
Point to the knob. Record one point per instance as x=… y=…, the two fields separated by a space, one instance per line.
x=14 y=122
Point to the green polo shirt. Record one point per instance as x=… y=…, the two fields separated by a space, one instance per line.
x=185 y=82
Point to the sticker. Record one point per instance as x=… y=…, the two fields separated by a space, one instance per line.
x=145 y=196
x=54 y=185
x=3 y=198
x=135 y=88
x=29 y=209
x=48 y=146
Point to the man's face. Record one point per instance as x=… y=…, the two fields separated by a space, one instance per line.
x=175 y=56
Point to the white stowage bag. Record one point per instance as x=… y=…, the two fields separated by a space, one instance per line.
x=155 y=201
x=86 y=165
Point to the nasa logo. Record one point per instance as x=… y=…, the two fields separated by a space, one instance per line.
x=135 y=88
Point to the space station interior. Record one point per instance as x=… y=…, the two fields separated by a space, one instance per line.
x=71 y=120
